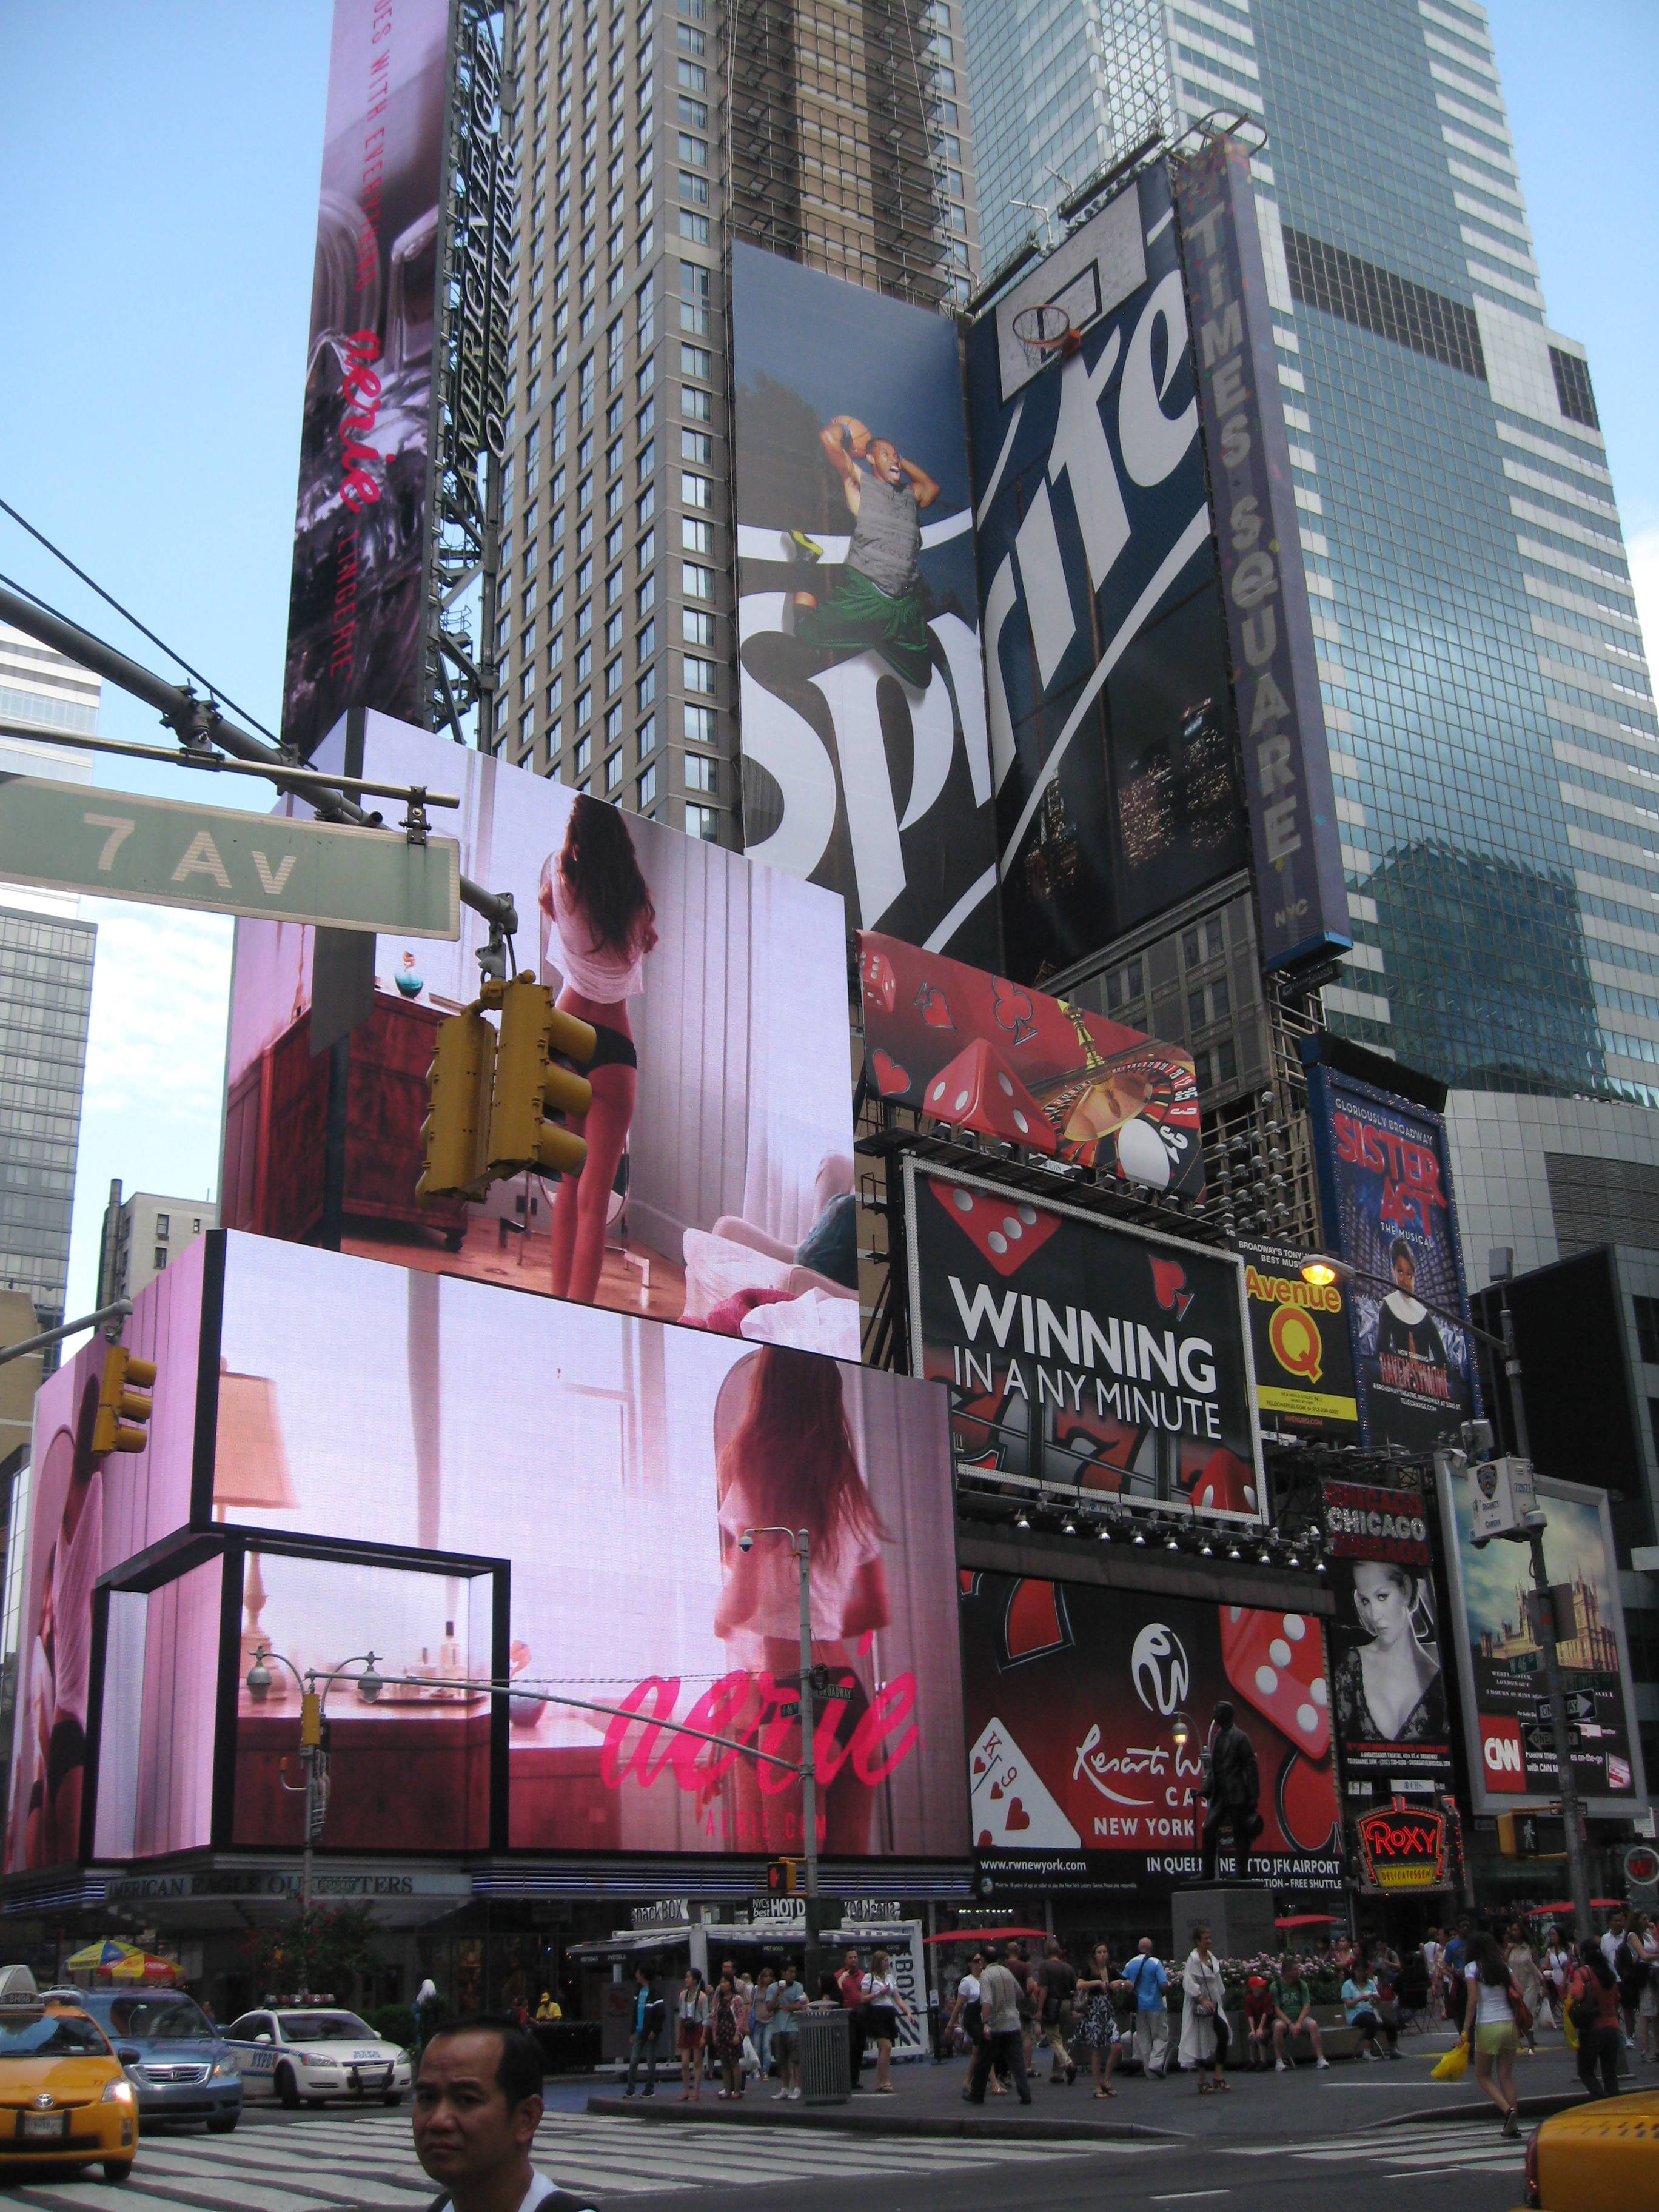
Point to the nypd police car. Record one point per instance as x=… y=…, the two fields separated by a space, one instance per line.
x=311 y=2055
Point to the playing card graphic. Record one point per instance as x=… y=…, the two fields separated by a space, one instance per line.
x=1012 y=1810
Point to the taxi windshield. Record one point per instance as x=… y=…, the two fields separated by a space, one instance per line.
x=325 y=2027
x=52 y=2035
x=155 y=2019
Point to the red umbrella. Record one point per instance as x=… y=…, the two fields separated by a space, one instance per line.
x=1597 y=1904
x=985 y=1935
x=1307 y=1920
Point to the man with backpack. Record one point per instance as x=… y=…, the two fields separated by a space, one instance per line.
x=1232 y=1785
x=1149 y=1977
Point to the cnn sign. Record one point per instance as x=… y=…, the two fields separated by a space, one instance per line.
x=1500 y=1753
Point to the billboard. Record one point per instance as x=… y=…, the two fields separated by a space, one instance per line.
x=613 y=1463
x=984 y=1054
x=1509 y=1743
x=356 y=604
x=864 y=759
x=1299 y=1335
x=1385 y=1192
x=718 y=1184
x=1113 y=745
x=89 y=1511
x=1302 y=902
x=1075 y=1778
x=1078 y=1352
x=1392 y=1707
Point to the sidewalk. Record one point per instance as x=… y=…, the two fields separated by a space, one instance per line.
x=1302 y=2104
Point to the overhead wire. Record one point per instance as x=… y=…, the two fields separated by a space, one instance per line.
x=214 y=690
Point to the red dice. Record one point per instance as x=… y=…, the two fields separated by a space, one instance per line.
x=979 y=1092
x=1006 y=1231
x=1276 y=1662
x=880 y=984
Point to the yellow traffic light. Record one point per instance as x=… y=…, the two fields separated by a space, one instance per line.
x=529 y=1081
x=311 y=1720
x=1506 y=1835
x=118 y=1407
x=456 y=1130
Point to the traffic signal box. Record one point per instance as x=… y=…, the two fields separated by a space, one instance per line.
x=785 y=1877
x=1532 y=1835
x=120 y=1409
x=490 y=1094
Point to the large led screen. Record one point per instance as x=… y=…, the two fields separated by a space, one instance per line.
x=1112 y=731
x=615 y=1464
x=718 y=1184
x=1079 y=1353
x=89 y=1511
x=864 y=764
x=1511 y=1746
x=1076 y=1779
x=1393 y=1694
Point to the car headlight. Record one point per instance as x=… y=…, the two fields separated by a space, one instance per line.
x=221 y=2067
x=317 y=2058
x=118 y=2093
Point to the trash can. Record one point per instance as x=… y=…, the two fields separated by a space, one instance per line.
x=826 y=2073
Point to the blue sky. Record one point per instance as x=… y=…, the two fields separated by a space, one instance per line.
x=162 y=165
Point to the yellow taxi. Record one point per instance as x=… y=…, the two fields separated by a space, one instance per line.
x=1599 y=2156
x=64 y=2099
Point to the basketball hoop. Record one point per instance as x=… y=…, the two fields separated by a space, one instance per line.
x=1047 y=330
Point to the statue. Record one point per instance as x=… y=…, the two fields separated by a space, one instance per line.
x=1232 y=1783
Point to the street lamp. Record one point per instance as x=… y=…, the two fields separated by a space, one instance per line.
x=800 y=1545
x=313 y=1757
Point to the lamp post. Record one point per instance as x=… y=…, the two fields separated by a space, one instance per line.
x=800 y=1545
x=313 y=1756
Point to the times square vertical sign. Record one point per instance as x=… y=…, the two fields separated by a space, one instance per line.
x=403 y=422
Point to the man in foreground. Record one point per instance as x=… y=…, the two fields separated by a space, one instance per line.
x=477 y=2107
x=1003 y=2045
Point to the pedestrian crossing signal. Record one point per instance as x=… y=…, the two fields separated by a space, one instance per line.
x=784 y=1877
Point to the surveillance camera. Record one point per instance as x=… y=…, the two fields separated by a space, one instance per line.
x=747 y=1541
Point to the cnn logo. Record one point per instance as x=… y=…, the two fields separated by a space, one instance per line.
x=1503 y=1756
x=1500 y=1749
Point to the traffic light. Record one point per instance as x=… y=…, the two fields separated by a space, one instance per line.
x=529 y=1081
x=456 y=1130
x=120 y=1408
x=783 y=1877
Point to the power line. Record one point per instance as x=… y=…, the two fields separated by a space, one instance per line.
x=213 y=689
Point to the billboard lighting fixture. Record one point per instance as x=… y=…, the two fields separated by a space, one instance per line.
x=1233 y=1551
x=1140 y=1536
x=1022 y=1519
x=1173 y=1544
x=1068 y=1527
x=1206 y=1551
x=1320 y=1269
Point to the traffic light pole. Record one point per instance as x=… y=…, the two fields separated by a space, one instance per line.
x=117 y=1312
x=801 y=1544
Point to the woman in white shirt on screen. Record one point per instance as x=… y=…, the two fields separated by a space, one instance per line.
x=596 y=898
x=790 y=1464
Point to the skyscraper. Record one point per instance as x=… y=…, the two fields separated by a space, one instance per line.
x=1486 y=689
x=650 y=132
x=45 y=993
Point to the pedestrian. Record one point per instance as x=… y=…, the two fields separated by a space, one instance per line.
x=968 y=2013
x=1489 y=2025
x=1647 y=2003
x=1629 y=1965
x=1030 y=2001
x=1293 y=2015
x=1004 y=2046
x=1149 y=1977
x=762 y=2012
x=728 y=2037
x=478 y=2106
x=787 y=1998
x=883 y=2006
x=1558 y=1964
x=1258 y=2022
x=1433 y=1946
x=693 y=2014
x=849 y=1985
x=644 y=2028
x=1056 y=1979
x=549 y=2007
x=1593 y=2009
x=426 y=2010
x=1204 y=2031
x=1099 y=2034
x=1362 y=2005
x=1411 y=1989
x=1524 y=1973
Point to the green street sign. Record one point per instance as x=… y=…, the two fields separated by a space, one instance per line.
x=72 y=836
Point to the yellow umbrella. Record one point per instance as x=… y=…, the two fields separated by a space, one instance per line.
x=107 y=1955
x=143 y=1966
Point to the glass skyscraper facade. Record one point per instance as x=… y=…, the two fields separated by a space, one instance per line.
x=1491 y=716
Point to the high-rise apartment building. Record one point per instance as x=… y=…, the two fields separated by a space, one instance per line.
x=1486 y=689
x=45 y=993
x=650 y=133
x=141 y=1234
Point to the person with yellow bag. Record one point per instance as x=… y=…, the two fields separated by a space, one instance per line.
x=1455 y=2065
x=1496 y=2011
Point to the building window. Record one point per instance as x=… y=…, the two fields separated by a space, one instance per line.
x=646 y=736
x=693 y=187
x=697 y=361
x=613 y=772
x=699 y=725
x=161 y=1257
x=694 y=298
x=696 y=583
x=696 y=627
x=647 y=786
x=161 y=1220
x=694 y=227
x=699 y=772
x=696 y=491
x=584 y=755
x=645 y=690
x=699 y=675
x=696 y=535
x=584 y=707
x=1647 y=1329
x=645 y=597
x=701 y=822
x=697 y=446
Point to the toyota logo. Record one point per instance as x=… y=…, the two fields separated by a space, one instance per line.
x=44 y=2101
x=1158 y=1666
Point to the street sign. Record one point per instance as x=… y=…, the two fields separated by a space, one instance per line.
x=163 y=853
x=1541 y=1743
x=1581 y=1706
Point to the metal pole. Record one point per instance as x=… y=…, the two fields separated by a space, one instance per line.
x=310 y=1802
x=118 y=1311
x=809 y=1784
x=1573 y=1819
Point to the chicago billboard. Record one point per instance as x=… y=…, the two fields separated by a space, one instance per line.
x=356 y=602
x=1385 y=1191
x=864 y=762
x=1508 y=1742
x=1113 y=745
x=1393 y=1717
x=1299 y=1334
x=1075 y=1778
x=721 y=1174
x=985 y=1055
x=1078 y=1352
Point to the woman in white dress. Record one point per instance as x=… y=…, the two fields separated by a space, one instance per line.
x=1204 y=1993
